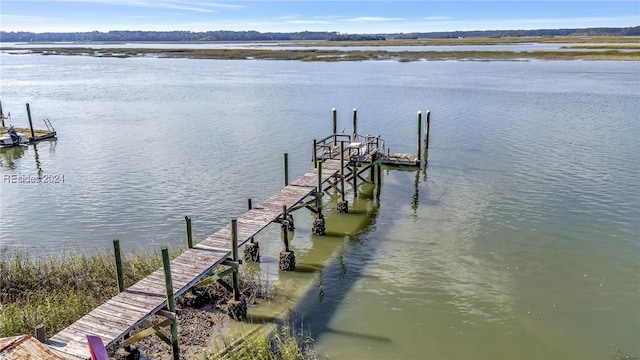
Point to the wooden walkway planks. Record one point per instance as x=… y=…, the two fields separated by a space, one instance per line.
x=120 y=314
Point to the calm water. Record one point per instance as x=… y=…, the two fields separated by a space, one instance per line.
x=520 y=241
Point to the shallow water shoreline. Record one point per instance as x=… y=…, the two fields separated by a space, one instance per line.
x=334 y=55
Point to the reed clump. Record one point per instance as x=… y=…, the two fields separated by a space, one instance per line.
x=58 y=290
x=284 y=343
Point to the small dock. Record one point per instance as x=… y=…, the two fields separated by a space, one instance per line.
x=339 y=160
x=34 y=135
x=397 y=159
x=37 y=134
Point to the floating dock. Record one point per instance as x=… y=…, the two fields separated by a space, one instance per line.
x=34 y=135
x=339 y=160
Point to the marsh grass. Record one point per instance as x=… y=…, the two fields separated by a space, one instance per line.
x=56 y=291
x=328 y=55
x=283 y=343
x=606 y=46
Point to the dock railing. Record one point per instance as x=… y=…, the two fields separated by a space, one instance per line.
x=363 y=145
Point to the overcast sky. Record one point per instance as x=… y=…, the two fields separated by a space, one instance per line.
x=290 y=16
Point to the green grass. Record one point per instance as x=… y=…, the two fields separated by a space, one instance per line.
x=56 y=291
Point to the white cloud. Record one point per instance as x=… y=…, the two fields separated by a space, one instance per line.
x=309 y=22
x=372 y=19
x=195 y=6
x=528 y=24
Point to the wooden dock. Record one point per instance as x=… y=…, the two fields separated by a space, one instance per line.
x=339 y=159
x=119 y=315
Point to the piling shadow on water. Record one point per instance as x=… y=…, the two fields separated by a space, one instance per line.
x=315 y=309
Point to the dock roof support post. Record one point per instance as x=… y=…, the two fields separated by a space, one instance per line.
x=187 y=221
x=30 y=122
x=118 y=255
x=419 y=142
x=171 y=302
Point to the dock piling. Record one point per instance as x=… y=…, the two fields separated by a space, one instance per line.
x=171 y=302
x=187 y=221
x=285 y=228
x=41 y=333
x=118 y=256
x=234 y=257
x=355 y=179
x=237 y=308
x=252 y=248
x=378 y=175
x=314 y=154
x=334 y=114
x=318 y=227
x=286 y=169
x=1 y=114
x=355 y=125
x=426 y=136
x=287 y=260
x=33 y=135
x=419 y=142
x=343 y=204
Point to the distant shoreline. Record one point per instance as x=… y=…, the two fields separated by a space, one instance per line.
x=576 y=48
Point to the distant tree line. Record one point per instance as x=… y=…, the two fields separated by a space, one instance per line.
x=628 y=31
x=162 y=36
x=356 y=37
x=222 y=35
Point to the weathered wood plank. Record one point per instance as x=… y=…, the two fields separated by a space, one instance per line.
x=123 y=319
x=146 y=300
x=109 y=330
x=129 y=306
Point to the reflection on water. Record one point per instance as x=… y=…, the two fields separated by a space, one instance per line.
x=10 y=155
